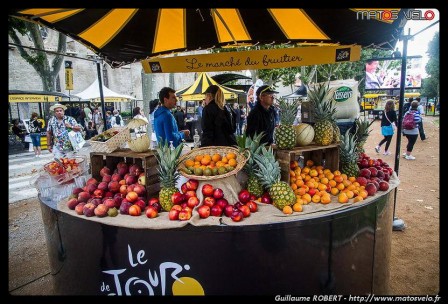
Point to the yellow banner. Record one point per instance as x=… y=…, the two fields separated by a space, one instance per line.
x=253 y=60
x=110 y=99
x=33 y=98
x=68 y=75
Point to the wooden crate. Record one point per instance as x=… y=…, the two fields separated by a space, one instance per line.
x=147 y=160
x=328 y=156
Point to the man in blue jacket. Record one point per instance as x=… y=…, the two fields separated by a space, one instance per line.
x=164 y=122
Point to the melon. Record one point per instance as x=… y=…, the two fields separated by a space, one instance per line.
x=304 y=134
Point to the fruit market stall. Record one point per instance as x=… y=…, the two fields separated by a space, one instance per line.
x=180 y=243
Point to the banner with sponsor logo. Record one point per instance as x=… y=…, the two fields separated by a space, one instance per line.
x=253 y=60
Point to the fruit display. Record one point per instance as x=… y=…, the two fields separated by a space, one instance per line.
x=65 y=168
x=106 y=135
x=184 y=202
x=210 y=164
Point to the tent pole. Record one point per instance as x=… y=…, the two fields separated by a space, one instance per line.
x=100 y=82
x=398 y=224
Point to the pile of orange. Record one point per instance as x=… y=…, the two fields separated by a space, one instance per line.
x=208 y=165
x=316 y=184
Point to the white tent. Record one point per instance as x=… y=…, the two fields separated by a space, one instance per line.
x=93 y=93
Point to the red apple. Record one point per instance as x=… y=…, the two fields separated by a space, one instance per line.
x=176 y=207
x=253 y=197
x=209 y=201
x=135 y=169
x=89 y=209
x=135 y=210
x=118 y=198
x=102 y=186
x=361 y=180
x=101 y=210
x=108 y=194
x=218 y=193
x=140 y=189
x=373 y=171
x=252 y=206
x=92 y=181
x=266 y=198
x=79 y=208
x=109 y=202
x=131 y=179
x=371 y=189
x=184 y=215
x=113 y=186
x=105 y=171
x=228 y=210
x=237 y=205
x=384 y=186
x=365 y=173
x=77 y=191
x=141 y=203
x=107 y=178
x=207 y=190
x=184 y=188
x=116 y=177
x=245 y=210
x=222 y=202
x=124 y=207
x=190 y=193
x=83 y=197
x=151 y=212
x=124 y=189
x=204 y=211
x=157 y=206
x=312 y=191
x=173 y=215
x=244 y=196
x=192 y=184
x=237 y=216
x=177 y=198
x=216 y=210
x=153 y=200
x=71 y=204
x=193 y=202
x=132 y=196
x=96 y=201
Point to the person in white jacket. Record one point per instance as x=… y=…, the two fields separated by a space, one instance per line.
x=116 y=120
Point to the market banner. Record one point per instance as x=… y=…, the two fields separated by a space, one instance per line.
x=254 y=60
x=68 y=75
x=33 y=98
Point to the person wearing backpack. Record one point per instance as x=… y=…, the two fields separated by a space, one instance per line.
x=218 y=120
x=410 y=124
x=116 y=120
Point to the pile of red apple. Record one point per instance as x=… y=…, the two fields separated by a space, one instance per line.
x=215 y=204
x=122 y=191
x=184 y=201
x=374 y=174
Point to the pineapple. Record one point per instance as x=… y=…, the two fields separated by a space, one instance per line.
x=348 y=154
x=285 y=134
x=253 y=145
x=323 y=110
x=362 y=132
x=168 y=161
x=268 y=172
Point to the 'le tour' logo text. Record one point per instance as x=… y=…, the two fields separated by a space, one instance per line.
x=386 y=15
x=155 y=282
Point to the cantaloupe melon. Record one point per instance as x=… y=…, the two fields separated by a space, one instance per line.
x=304 y=134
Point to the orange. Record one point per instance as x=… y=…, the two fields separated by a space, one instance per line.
x=309 y=163
x=198 y=157
x=363 y=193
x=224 y=160
x=313 y=172
x=322 y=187
x=350 y=194
x=334 y=191
x=293 y=164
x=189 y=163
x=342 y=198
x=358 y=199
x=325 y=199
x=344 y=176
x=216 y=157
x=352 y=179
x=332 y=183
x=337 y=172
x=205 y=160
x=330 y=176
x=287 y=210
x=306 y=198
x=340 y=186
x=338 y=178
x=232 y=162
x=297 y=207
x=293 y=186
x=315 y=198
x=231 y=155
x=300 y=191
x=324 y=180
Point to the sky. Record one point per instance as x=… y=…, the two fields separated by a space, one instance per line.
x=419 y=45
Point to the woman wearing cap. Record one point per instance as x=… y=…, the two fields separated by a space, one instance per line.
x=262 y=117
x=218 y=120
x=57 y=131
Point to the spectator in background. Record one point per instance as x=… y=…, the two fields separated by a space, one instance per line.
x=242 y=119
x=421 y=110
x=218 y=120
x=165 y=124
x=180 y=118
x=250 y=98
x=388 y=120
x=412 y=134
x=116 y=120
x=88 y=114
x=138 y=113
x=98 y=120
x=153 y=106
x=396 y=53
x=18 y=131
x=238 y=118
x=108 y=120
x=90 y=130
x=35 y=130
x=262 y=117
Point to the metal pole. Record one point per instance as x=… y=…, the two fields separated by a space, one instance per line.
x=100 y=82
x=398 y=224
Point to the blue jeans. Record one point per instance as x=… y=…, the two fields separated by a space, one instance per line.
x=35 y=139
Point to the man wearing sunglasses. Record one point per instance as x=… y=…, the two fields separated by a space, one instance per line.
x=262 y=117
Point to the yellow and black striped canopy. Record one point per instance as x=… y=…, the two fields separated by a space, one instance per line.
x=197 y=89
x=127 y=35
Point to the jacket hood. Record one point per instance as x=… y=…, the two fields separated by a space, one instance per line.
x=161 y=111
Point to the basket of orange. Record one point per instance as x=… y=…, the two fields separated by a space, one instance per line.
x=209 y=163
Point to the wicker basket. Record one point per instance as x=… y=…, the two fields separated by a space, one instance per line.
x=112 y=143
x=240 y=158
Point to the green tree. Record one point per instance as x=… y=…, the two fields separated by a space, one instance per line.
x=46 y=69
x=431 y=84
